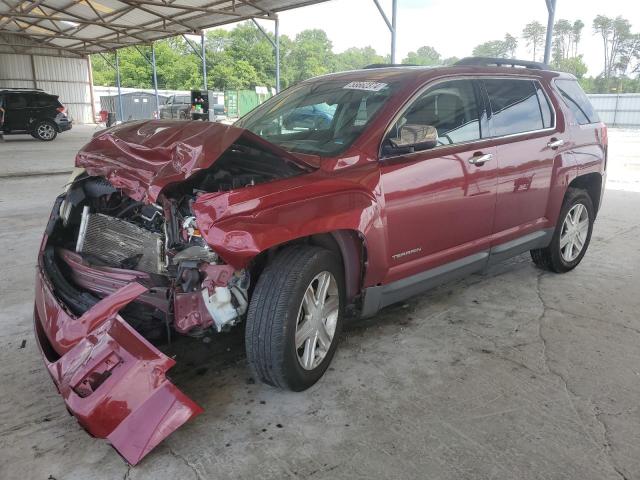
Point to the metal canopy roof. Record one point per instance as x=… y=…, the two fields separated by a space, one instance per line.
x=81 y=27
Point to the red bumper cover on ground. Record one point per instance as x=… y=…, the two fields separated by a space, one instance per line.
x=112 y=379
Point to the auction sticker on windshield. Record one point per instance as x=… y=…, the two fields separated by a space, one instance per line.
x=368 y=86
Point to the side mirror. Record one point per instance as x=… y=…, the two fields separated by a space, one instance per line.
x=414 y=138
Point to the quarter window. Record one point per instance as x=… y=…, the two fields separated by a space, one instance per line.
x=451 y=107
x=545 y=107
x=515 y=106
x=577 y=101
x=45 y=101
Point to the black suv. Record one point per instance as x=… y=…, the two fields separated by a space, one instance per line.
x=32 y=111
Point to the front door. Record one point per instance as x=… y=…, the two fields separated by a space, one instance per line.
x=440 y=202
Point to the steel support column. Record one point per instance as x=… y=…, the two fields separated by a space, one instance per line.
x=275 y=44
x=392 y=25
x=551 y=9
x=394 y=30
x=204 y=61
x=277 y=32
x=155 y=78
x=152 y=62
x=120 y=111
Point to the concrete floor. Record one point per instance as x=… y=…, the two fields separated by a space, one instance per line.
x=515 y=374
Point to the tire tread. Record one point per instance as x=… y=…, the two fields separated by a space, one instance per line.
x=265 y=334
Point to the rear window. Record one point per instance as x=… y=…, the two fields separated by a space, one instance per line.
x=183 y=99
x=516 y=107
x=577 y=101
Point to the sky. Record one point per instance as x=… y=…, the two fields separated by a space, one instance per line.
x=452 y=27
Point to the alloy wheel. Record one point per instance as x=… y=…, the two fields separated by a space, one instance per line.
x=573 y=235
x=317 y=320
x=45 y=131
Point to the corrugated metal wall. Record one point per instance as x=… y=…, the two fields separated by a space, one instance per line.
x=66 y=77
x=617 y=110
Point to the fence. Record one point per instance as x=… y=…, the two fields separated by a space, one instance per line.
x=618 y=110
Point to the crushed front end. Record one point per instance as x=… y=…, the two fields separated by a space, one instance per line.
x=122 y=267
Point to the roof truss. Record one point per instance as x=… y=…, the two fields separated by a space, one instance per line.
x=81 y=27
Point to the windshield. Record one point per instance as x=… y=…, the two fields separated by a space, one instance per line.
x=318 y=118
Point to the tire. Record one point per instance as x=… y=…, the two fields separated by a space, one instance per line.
x=45 y=131
x=557 y=258
x=276 y=319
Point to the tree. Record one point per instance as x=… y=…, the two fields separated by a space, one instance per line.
x=630 y=55
x=425 y=55
x=493 y=48
x=562 y=38
x=310 y=55
x=614 y=33
x=576 y=33
x=534 y=35
x=510 y=43
x=354 y=58
x=573 y=65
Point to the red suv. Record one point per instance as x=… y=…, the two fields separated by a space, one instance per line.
x=409 y=177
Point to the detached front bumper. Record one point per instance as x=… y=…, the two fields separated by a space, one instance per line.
x=111 y=379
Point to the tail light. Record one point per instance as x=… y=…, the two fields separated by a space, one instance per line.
x=60 y=109
x=605 y=143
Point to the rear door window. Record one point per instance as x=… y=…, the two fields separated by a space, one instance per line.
x=577 y=101
x=515 y=106
x=16 y=101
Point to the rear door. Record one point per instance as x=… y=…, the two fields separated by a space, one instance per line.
x=16 y=112
x=587 y=131
x=530 y=151
x=439 y=203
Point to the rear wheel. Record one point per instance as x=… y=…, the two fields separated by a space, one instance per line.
x=295 y=318
x=45 y=131
x=572 y=234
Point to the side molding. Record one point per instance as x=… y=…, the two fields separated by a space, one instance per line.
x=381 y=296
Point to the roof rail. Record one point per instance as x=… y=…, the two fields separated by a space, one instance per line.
x=22 y=88
x=501 y=62
x=388 y=65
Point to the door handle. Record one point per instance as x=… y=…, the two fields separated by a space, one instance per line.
x=555 y=143
x=479 y=159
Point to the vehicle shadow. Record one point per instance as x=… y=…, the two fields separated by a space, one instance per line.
x=18 y=138
x=218 y=359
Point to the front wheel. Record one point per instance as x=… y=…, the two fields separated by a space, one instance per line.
x=295 y=318
x=572 y=234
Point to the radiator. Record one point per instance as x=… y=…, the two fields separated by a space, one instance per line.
x=119 y=243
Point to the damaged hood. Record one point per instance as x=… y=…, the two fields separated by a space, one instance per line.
x=142 y=158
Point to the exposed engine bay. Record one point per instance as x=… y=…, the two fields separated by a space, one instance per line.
x=103 y=239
